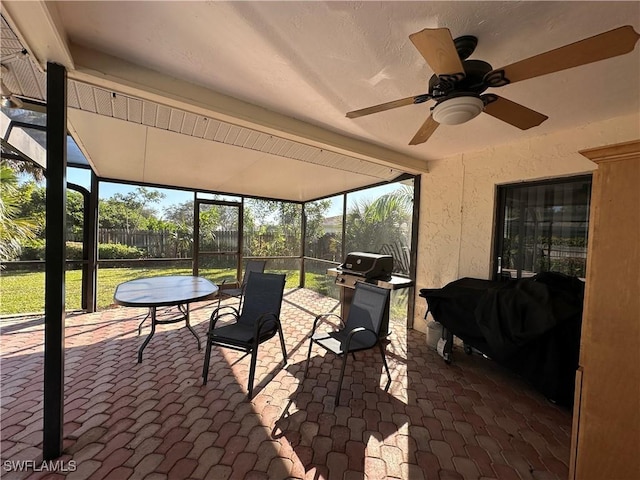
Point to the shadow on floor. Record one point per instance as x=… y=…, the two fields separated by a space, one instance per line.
x=127 y=420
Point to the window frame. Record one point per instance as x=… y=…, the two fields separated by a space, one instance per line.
x=500 y=211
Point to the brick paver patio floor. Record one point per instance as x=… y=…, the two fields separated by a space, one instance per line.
x=155 y=420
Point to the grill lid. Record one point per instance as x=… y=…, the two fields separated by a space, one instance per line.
x=368 y=265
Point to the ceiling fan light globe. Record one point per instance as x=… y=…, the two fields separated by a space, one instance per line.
x=457 y=110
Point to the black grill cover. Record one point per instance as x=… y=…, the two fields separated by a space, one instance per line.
x=531 y=326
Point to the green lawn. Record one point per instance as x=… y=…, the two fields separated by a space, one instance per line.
x=23 y=292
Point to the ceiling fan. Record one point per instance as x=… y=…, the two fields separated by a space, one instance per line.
x=458 y=84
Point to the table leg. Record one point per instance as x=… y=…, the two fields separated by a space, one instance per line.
x=148 y=339
x=186 y=317
x=144 y=320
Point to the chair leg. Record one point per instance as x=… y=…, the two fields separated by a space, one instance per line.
x=306 y=368
x=386 y=367
x=252 y=372
x=284 y=350
x=344 y=364
x=207 y=359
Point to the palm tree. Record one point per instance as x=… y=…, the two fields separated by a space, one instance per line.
x=182 y=239
x=13 y=230
x=382 y=223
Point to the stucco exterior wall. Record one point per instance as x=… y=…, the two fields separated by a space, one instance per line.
x=458 y=197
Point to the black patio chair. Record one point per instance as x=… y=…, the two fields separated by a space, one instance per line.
x=258 y=321
x=238 y=292
x=361 y=331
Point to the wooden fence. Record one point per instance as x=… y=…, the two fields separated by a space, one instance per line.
x=165 y=243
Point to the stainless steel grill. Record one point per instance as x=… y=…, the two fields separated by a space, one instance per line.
x=366 y=267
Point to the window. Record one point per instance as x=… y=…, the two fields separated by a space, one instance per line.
x=543 y=227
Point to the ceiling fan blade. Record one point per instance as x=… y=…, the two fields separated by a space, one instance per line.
x=599 y=47
x=514 y=114
x=437 y=47
x=425 y=131
x=385 y=106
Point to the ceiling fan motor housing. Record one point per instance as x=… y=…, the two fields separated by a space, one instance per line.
x=472 y=82
x=458 y=97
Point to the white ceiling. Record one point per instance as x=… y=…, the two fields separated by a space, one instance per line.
x=298 y=67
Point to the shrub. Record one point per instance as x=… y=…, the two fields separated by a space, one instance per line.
x=35 y=250
x=112 y=251
x=74 y=250
x=32 y=250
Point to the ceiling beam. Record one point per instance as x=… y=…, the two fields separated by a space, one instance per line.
x=114 y=74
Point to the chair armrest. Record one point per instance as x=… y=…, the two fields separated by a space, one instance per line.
x=353 y=331
x=324 y=316
x=226 y=285
x=220 y=312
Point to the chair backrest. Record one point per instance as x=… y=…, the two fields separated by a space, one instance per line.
x=263 y=294
x=253 y=266
x=367 y=309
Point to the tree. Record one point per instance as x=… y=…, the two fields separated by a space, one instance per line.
x=382 y=225
x=210 y=224
x=140 y=200
x=33 y=203
x=315 y=213
x=320 y=242
x=14 y=228
x=276 y=229
x=158 y=224
x=130 y=211
x=182 y=240
x=75 y=212
x=180 y=213
x=115 y=214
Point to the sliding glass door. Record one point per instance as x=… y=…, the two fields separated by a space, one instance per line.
x=543 y=227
